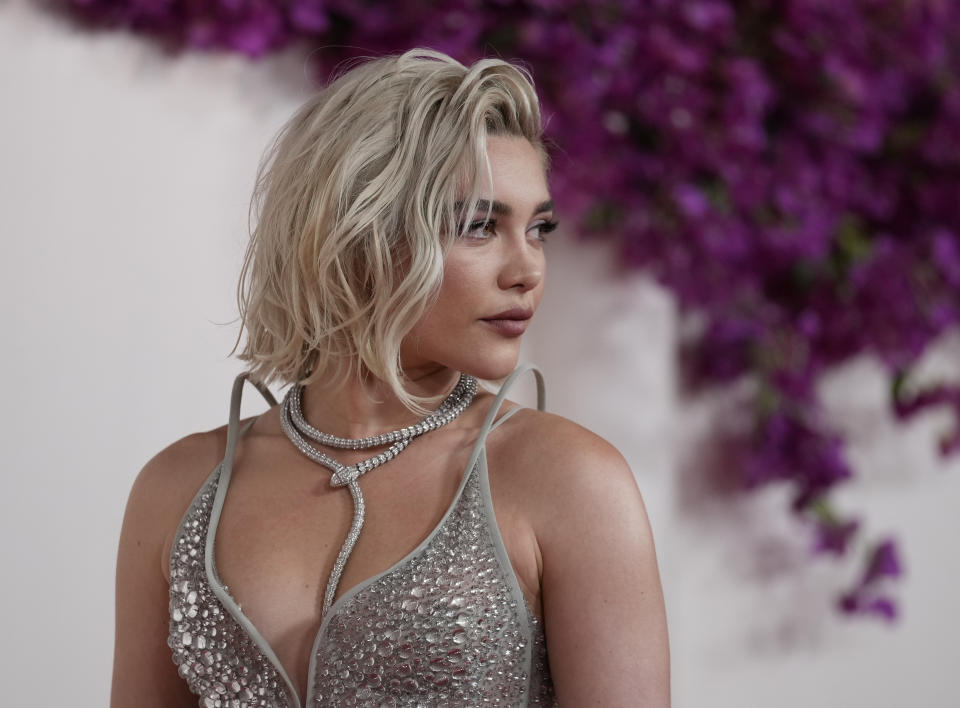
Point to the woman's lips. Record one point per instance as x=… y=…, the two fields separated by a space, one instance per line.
x=508 y=328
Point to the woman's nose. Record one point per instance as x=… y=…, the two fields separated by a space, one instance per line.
x=523 y=264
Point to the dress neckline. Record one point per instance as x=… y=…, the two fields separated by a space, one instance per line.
x=234 y=433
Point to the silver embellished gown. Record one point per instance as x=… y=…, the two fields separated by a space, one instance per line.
x=446 y=625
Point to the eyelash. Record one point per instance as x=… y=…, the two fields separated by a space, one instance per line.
x=543 y=227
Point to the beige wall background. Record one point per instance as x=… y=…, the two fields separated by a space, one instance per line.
x=124 y=182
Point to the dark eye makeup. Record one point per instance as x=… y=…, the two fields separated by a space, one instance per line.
x=487 y=226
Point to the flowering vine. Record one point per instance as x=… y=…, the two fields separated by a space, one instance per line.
x=789 y=169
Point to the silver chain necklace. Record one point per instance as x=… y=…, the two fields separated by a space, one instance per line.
x=297 y=429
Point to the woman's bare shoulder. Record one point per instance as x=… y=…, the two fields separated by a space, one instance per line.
x=179 y=469
x=564 y=464
x=167 y=483
x=557 y=446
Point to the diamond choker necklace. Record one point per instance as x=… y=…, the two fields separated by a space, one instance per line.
x=296 y=427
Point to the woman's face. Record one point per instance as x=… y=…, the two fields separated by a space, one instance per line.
x=493 y=277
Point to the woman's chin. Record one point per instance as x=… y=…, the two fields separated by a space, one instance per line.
x=492 y=368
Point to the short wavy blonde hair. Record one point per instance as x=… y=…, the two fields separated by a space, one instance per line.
x=357 y=202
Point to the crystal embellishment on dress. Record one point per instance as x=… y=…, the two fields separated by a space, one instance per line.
x=442 y=628
x=216 y=657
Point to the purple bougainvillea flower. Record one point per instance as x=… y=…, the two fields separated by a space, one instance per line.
x=865 y=599
x=834 y=536
x=859 y=604
x=309 y=16
x=884 y=563
x=691 y=200
x=946 y=256
x=261 y=30
x=849 y=603
x=708 y=16
x=885 y=607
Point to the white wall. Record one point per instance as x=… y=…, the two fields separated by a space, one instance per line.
x=124 y=181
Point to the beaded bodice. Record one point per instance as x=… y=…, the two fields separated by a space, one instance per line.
x=446 y=625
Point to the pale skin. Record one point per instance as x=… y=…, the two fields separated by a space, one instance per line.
x=567 y=505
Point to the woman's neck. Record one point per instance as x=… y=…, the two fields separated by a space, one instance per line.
x=367 y=406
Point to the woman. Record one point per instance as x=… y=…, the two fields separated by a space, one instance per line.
x=502 y=555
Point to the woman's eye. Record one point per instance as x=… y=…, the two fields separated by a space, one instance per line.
x=542 y=228
x=481 y=229
x=485 y=228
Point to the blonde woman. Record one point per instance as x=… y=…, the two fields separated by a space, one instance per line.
x=391 y=534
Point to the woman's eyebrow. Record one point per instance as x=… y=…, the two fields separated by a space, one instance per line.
x=543 y=206
x=485 y=206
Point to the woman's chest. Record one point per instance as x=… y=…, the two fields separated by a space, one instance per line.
x=276 y=545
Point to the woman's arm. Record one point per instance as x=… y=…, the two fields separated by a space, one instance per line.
x=144 y=675
x=603 y=604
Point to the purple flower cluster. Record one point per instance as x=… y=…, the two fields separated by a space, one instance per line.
x=790 y=169
x=883 y=563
